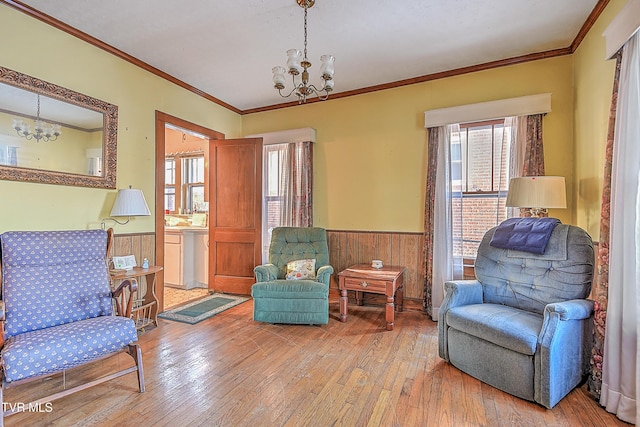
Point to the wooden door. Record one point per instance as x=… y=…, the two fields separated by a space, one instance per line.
x=235 y=213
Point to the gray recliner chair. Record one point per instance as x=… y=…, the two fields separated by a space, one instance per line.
x=524 y=325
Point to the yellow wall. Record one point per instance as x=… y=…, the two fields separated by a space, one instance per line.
x=593 y=84
x=39 y=50
x=370 y=155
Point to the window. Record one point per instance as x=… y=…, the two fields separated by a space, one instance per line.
x=8 y=155
x=287 y=180
x=479 y=169
x=184 y=181
x=170 y=185
x=273 y=197
x=193 y=183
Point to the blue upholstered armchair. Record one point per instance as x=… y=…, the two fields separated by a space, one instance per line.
x=57 y=307
x=524 y=325
x=302 y=301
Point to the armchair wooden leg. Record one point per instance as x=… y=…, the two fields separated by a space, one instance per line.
x=136 y=353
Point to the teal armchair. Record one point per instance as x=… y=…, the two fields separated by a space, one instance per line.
x=305 y=301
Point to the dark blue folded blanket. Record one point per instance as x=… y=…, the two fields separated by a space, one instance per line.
x=524 y=234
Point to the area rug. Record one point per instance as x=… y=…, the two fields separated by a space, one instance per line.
x=203 y=308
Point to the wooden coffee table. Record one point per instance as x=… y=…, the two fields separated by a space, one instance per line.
x=364 y=278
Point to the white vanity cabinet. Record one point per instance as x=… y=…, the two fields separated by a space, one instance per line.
x=186 y=257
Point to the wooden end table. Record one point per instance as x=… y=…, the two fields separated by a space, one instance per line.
x=362 y=278
x=145 y=306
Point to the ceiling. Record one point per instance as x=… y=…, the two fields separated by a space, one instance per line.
x=23 y=104
x=226 y=48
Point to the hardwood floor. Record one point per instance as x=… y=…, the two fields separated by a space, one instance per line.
x=231 y=371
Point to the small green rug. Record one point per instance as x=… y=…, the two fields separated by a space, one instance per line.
x=203 y=308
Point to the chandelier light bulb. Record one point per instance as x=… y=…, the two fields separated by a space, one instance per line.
x=328 y=85
x=21 y=127
x=39 y=126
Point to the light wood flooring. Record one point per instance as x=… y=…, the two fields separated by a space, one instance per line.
x=231 y=371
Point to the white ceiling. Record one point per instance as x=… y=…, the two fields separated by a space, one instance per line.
x=226 y=48
x=24 y=103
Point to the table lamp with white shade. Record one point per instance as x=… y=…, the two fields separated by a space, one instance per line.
x=537 y=193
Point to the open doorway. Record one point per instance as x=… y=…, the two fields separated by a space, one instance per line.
x=186 y=214
x=182 y=209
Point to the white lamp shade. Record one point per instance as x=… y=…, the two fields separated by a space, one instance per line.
x=278 y=77
x=326 y=69
x=294 y=62
x=130 y=202
x=537 y=192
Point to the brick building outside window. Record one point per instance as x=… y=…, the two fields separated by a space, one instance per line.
x=479 y=159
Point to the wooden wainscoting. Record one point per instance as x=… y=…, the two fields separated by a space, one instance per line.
x=393 y=248
x=142 y=245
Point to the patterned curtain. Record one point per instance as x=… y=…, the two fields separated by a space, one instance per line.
x=296 y=185
x=600 y=290
x=534 y=152
x=429 y=211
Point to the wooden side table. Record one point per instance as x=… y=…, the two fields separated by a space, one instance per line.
x=145 y=305
x=364 y=278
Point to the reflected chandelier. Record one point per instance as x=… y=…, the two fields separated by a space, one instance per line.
x=297 y=65
x=43 y=131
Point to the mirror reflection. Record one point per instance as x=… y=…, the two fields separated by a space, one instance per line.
x=54 y=135
x=40 y=132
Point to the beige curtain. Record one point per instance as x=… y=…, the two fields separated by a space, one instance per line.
x=296 y=185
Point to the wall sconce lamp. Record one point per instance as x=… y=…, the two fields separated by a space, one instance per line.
x=129 y=202
x=537 y=193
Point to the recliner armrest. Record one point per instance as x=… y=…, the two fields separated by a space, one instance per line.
x=568 y=354
x=577 y=309
x=266 y=272
x=461 y=292
x=457 y=293
x=324 y=274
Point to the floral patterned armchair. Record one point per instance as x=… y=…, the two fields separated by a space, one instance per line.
x=57 y=310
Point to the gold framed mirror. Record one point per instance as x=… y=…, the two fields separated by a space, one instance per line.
x=54 y=135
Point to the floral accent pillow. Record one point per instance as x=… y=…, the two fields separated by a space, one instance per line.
x=302 y=269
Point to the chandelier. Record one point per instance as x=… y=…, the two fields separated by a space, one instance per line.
x=43 y=131
x=297 y=66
